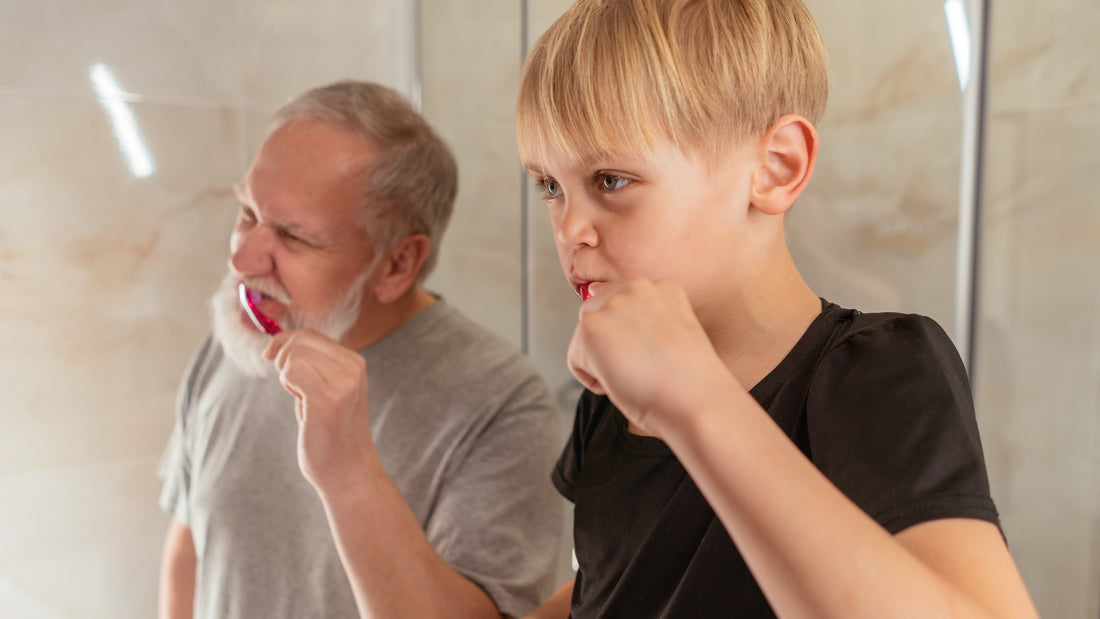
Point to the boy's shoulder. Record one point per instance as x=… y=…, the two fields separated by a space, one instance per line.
x=855 y=326
x=886 y=338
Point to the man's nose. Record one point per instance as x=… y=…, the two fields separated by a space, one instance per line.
x=250 y=251
x=575 y=225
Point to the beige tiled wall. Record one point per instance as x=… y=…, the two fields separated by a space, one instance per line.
x=1038 y=367
x=104 y=276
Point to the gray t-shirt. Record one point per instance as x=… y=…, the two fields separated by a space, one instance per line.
x=464 y=426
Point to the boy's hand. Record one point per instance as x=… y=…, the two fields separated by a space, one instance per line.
x=329 y=384
x=641 y=344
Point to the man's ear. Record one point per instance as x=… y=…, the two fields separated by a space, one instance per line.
x=400 y=267
x=788 y=153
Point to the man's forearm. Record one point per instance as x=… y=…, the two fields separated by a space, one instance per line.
x=177 y=574
x=394 y=571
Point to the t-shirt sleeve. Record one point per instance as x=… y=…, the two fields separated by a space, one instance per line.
x=568 y=466
x=891 y=422
x=498 y=520
x=174 y=468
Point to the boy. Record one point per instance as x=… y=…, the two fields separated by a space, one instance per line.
x=744 y=448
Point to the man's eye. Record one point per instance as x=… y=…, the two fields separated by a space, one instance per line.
x=610 y=182
x=548 y=187
x=291 y=236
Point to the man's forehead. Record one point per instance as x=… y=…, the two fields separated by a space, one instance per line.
x=302 y=214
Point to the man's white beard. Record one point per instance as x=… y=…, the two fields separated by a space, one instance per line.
x=244 y=343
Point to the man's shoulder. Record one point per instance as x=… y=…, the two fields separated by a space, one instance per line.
x=474 y=341
x=446 y=348
x=205 y=359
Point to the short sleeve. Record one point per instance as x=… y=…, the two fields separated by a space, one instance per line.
x=174 y=468
x=498 y=521
x=568 y=466
x=176 y=477
x=891 y=423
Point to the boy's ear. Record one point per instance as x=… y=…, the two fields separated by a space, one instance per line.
x=788 y=153
x=400 y=267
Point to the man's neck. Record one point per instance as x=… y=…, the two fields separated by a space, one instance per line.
x=378 y=320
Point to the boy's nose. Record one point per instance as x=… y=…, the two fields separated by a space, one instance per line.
x=250 y=251
x=575 y=227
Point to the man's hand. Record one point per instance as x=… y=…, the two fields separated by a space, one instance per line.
x=641 y=344
x=329 y=384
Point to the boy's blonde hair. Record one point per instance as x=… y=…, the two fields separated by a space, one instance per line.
x=612 y=77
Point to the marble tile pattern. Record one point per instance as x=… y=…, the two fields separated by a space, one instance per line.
x=1037 y=374
x=471 y=62
x=104 y=276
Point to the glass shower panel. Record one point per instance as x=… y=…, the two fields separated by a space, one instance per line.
x=1037 y=370
x=470 y=58
x=877 y=226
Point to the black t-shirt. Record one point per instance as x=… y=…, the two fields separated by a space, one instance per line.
x=879 y=402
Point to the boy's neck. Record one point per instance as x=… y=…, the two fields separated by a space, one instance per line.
x=761 y=329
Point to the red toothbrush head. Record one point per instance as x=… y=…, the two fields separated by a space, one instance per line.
x=248 y=299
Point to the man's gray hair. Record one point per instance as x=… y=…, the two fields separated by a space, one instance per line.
x=411 y=183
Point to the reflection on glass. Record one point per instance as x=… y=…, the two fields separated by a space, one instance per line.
x=122 y=119
x=958 y=28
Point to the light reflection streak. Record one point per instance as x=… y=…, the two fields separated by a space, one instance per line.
x=122 y=118
x=958 y=28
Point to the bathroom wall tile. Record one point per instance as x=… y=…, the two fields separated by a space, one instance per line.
x=288 y=47
x=877 y=226
x=1092 y=588
x=1043 y=53
x=886 y=60
x=81 y=542
x=1039 y=347
x=1039 y=343
x=479 y=269
x=471 y=60
x=163 y=51
x=541 y=14
x=1047 y=505
x=105 y=275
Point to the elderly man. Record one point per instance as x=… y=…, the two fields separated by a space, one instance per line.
x=381 y=453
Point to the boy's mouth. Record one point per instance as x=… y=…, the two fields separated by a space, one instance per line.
x=582 y=291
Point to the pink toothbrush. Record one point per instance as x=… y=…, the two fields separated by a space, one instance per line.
x=248 y=299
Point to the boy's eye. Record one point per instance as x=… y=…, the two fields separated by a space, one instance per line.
x=610 y=182
x=549 y=187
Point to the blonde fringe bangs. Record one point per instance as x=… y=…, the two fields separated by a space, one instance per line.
x=615 y=77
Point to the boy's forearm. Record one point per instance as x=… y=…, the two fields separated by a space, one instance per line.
x=393 y=570
x=813 y=552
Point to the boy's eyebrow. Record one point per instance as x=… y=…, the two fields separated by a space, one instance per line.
x=532 y=169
